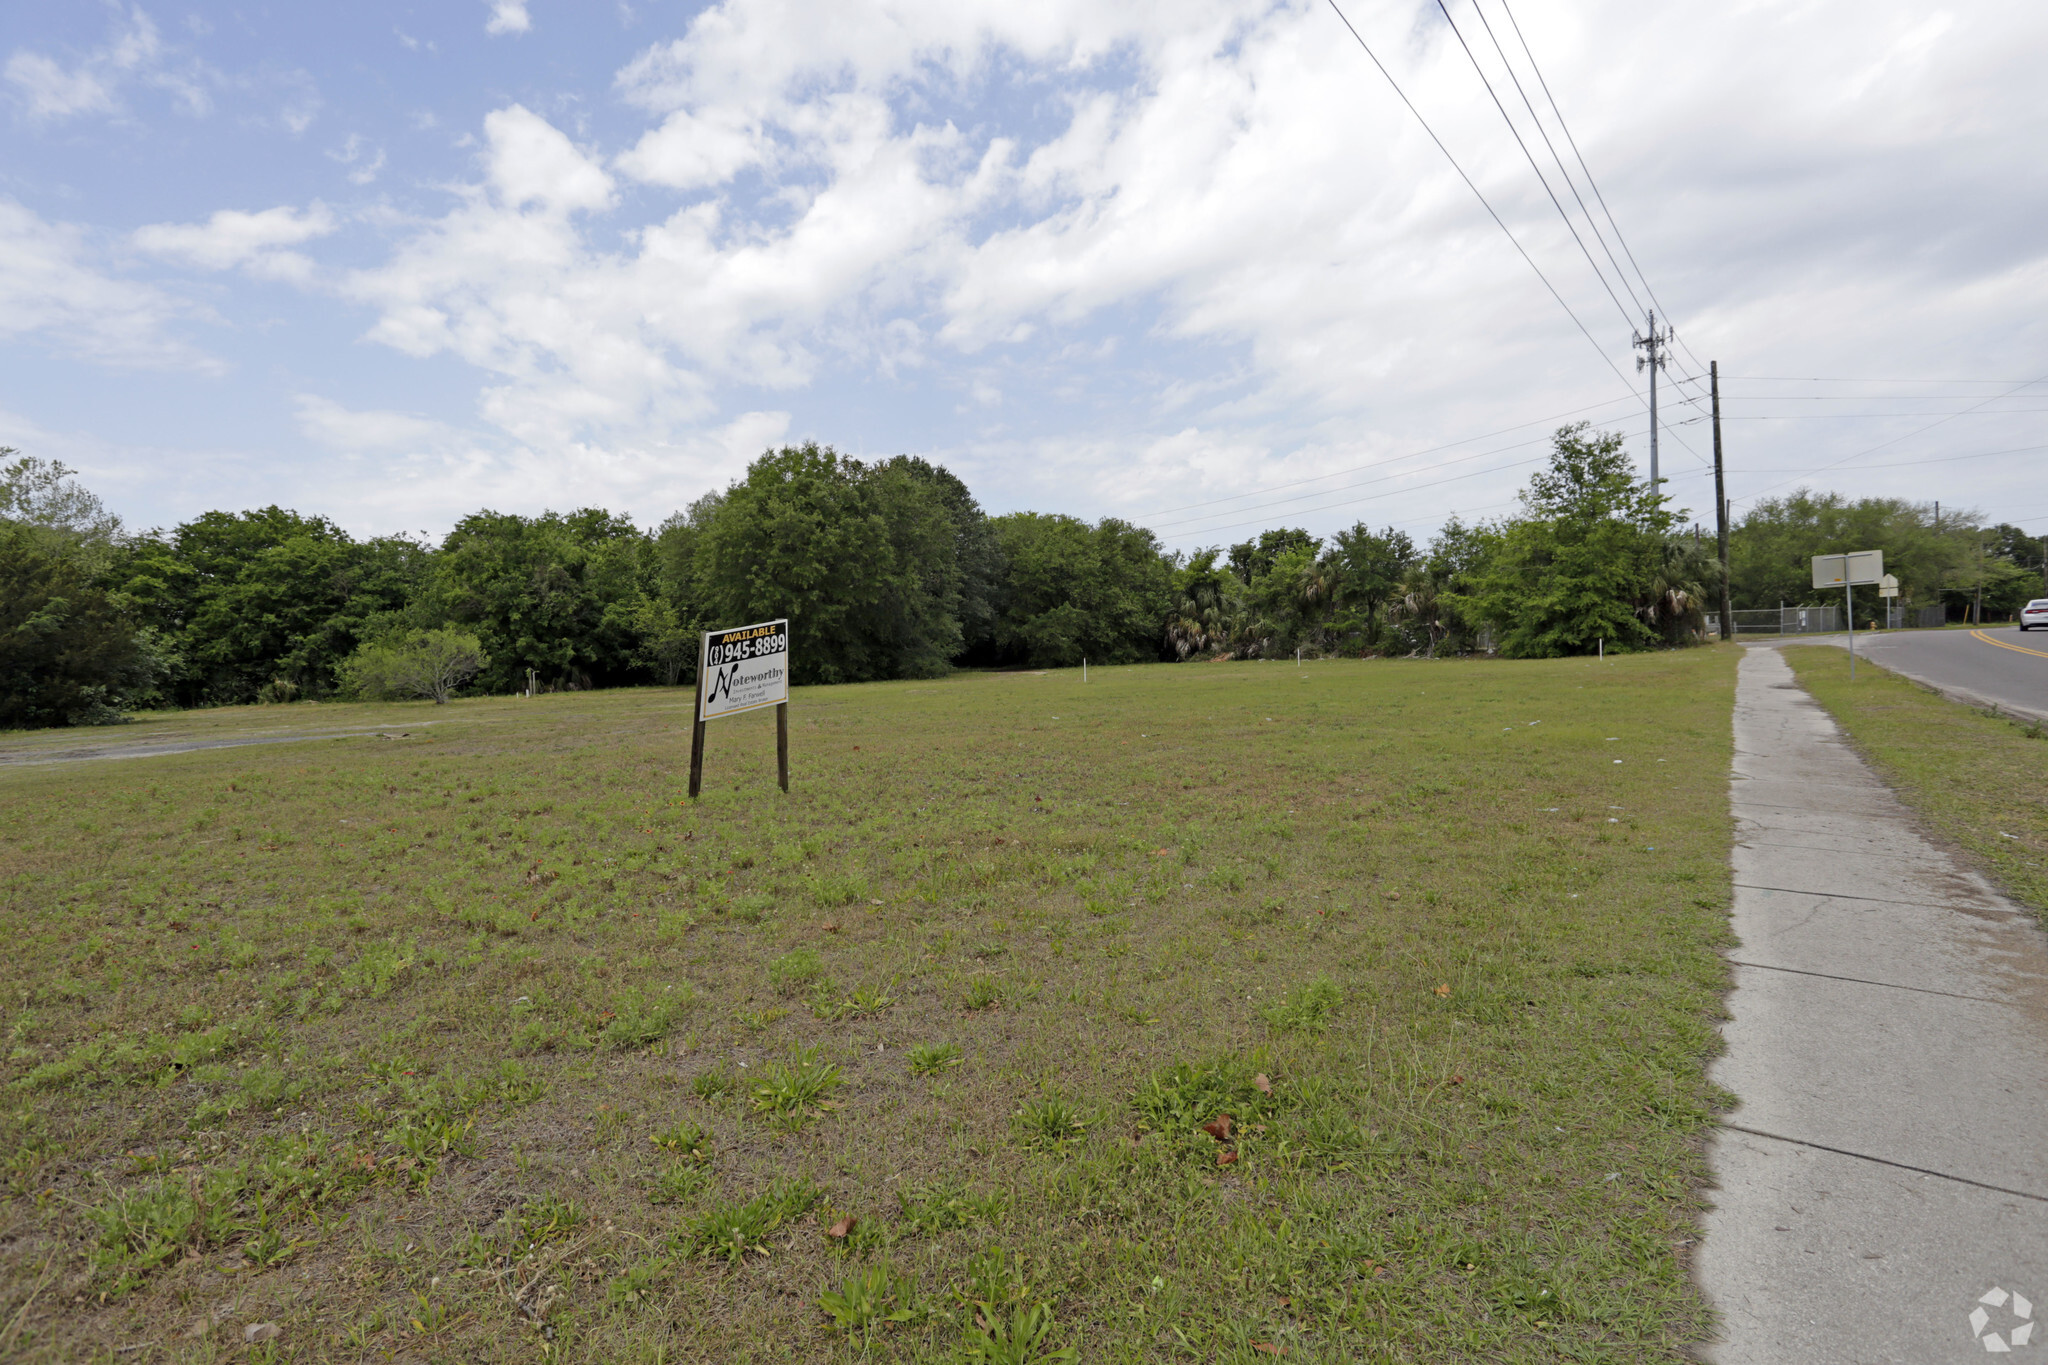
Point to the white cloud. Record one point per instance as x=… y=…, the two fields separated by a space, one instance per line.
x=341 y=428
x=362 y=159
x=429 y=470
x=253 y=241
x=50 y=288
x=1194 y=245
x=52 y=92
x=133 y=52
x=508 y=16
x=692 y=151
x=530 y=160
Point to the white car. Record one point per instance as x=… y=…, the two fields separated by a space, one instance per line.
x=2035 y=613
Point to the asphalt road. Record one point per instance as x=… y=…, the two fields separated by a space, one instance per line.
x=1998 y=665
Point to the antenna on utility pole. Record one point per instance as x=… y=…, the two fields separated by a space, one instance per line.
x=1655 y=358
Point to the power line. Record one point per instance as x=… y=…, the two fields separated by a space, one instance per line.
x=1345 y=488
x=1347 y=502
x=1564 y=170
x=1530 y=156
x=1895 y=440
x=1912 y=464
x=1849 y=397
x=1558 y=113
x=1854 y=416
x=1360 y=39
x=1391 y=459
x=1809 y=379
x=1654 y=359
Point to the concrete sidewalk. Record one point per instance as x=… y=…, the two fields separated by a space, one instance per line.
x=1886 y=1168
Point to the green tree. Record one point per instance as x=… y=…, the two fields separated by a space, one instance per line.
x=1291 y=597
x=977 y=556
x=555 y=593
x=415 y=663
x=1367 y=567
x=68 y=654
x=863 y=560
x=262 y=603
x=1252 y=560
x=1073 y=591
x=1209 y=607
x=1583 y=566
x=70 y=650
x=44 y=494
x=1433 y=607
x=1771 y=549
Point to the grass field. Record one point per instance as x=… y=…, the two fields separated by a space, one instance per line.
x=1214 y=1012
x=1979 y=779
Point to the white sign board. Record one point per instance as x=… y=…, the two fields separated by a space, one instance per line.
x=1856 y=567
x=745 y=669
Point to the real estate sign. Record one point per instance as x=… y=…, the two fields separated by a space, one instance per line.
x=744 y=669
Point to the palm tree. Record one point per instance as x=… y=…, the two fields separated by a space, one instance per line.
x=1416 y=606
x=1207 y=612
x=1673 y=597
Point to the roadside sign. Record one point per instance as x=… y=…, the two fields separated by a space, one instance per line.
x=1845 y=572
x=1888 y=586
x=1840 y=571
x=743 y=669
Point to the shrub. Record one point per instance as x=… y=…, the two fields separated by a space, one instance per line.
x=420 y=663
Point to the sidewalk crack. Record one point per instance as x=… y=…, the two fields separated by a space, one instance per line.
x=1866 y=981
x=1881 y=1161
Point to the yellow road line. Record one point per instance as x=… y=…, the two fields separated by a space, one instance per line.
x=2017 y=649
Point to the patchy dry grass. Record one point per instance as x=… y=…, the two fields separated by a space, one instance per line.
x=1980 y=779
x=1352 y=1012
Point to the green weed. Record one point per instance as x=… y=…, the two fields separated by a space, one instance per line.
x=641 y=1017
x=869 y=1299
x=794 y=1088
x=1049 y=1123
x=735 y=1231
x=688 y=1140
x=929 y=1059
x=795 y=970
x=1305 y=1009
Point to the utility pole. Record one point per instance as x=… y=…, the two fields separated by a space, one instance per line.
x=1980 y=581
x=1653 y=345
x=1721 y=498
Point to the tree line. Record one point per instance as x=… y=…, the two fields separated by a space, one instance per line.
x=886 y=569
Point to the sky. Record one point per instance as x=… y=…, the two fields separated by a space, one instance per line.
x=1194 y=264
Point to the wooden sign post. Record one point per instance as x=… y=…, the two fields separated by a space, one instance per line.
x=743 y=669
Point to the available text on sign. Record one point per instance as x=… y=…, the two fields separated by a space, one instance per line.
x=744 y=669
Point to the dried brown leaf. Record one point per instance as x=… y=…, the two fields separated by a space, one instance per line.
x=842 y=1227
x=1226 y=1158
x=1262 y=1085
x=1219 y=1127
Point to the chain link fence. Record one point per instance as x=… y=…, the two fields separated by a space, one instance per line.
x=1780 y=621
